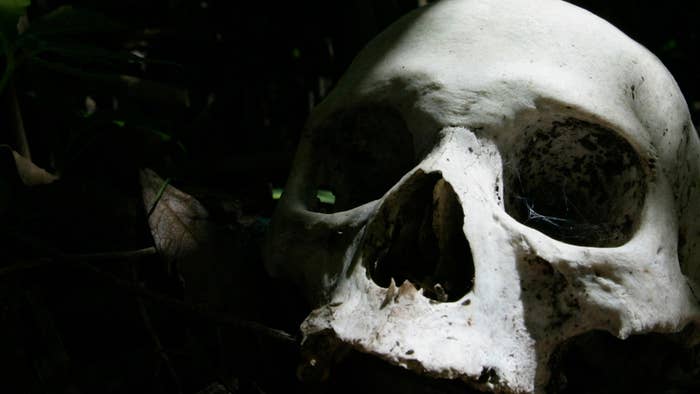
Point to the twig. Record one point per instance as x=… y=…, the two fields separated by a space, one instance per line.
x=201 y=311
x=119 y=255
x=72 y=258
x=155 y=338
x=55 y=362
x=82 y=261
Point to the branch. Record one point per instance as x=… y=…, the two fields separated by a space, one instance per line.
x=60 y=258
x=202 y=311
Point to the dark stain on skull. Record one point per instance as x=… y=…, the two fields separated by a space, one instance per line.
x=418 y=236
x=548 y=298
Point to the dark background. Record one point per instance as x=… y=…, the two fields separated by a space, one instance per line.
x=252 y=73
x=218 y=110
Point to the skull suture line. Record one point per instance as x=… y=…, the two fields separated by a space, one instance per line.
x=509 y=174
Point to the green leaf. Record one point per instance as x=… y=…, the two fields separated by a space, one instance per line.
x=10 y=11
x=325 y=196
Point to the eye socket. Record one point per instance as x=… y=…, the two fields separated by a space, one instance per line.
x=360 y=155
x=576 y=182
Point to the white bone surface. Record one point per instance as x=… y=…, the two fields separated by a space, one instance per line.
x=470 y=78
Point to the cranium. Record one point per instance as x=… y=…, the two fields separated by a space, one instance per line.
x=508 y=175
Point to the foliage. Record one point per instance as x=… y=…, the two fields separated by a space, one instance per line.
x=10 y=12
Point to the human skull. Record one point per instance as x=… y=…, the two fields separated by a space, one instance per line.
x=508 y=175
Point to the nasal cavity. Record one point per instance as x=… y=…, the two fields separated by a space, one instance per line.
x=418 y=236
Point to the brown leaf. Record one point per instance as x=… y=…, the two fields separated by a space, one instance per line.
x=17 y=173
x=216 y=258
x=30 y=173
x=22 y=169
x=179 y=223
x=184 y=235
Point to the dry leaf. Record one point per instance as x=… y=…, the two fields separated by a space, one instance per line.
x=28 y=173
x=179 y=223
x=216 y=261
x=16 y=173
x=187 y=239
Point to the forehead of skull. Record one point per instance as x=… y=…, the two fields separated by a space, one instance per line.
x=481 y=62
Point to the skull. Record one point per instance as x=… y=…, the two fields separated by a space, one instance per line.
x=508 y=175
